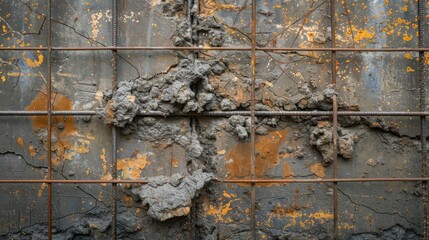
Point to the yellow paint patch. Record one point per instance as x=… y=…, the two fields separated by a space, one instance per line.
x=407 y=37
x=219 y=212
x=303 y=219
x=33 y=63
x=318 y=170
x=132 y=167
x=363 y=34
x=408 y=56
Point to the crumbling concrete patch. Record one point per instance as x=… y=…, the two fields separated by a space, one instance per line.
x=394 y=233
x=168 y=93
x=321 y=137
x=171 y=197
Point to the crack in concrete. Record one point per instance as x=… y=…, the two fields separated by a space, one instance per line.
x=376 y=211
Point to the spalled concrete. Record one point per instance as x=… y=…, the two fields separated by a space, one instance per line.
x=171 y=197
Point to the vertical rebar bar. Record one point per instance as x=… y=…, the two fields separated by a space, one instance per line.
x=423 y=133
x=49 y=109
x=114 y=133
x=334 y=120
x=253 y=123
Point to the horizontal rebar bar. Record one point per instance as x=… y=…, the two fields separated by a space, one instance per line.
x=264 y=49
x=143 y=181
x=225 y=113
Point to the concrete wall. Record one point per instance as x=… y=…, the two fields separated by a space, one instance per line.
x=174 y=82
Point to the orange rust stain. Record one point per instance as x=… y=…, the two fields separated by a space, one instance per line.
x=281 y=211
x=287 y=170
x=132 y=167
x=32 y=150
x=318 y=169
x=103 y=158
x=267 y=155
x=62 y=126
x=210 y=7
x=40 y=191
x=107 y=176
x=20 y=141
x=174 y=162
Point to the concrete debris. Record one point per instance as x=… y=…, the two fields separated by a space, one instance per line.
x=171 y=197
x=394 y=233
x=239 y=125
x=169 y=93
x=321 y=137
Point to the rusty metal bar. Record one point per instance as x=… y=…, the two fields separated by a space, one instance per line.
x=256 y=181
x=49 y=113
x=423 y=130
x=334 y=119
x=253 y=124
x=114 y=170
x=172 y=48
x=224 y=113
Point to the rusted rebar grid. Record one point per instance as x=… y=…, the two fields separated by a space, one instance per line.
x=253 y=113
x=114 y=171
x=49 y=119
x=422 y=98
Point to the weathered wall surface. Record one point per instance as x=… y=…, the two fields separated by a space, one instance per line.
x=180 y=155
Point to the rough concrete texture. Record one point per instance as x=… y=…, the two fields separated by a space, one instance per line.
x=171 y=197
x=321 y=137
x=175 y=151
